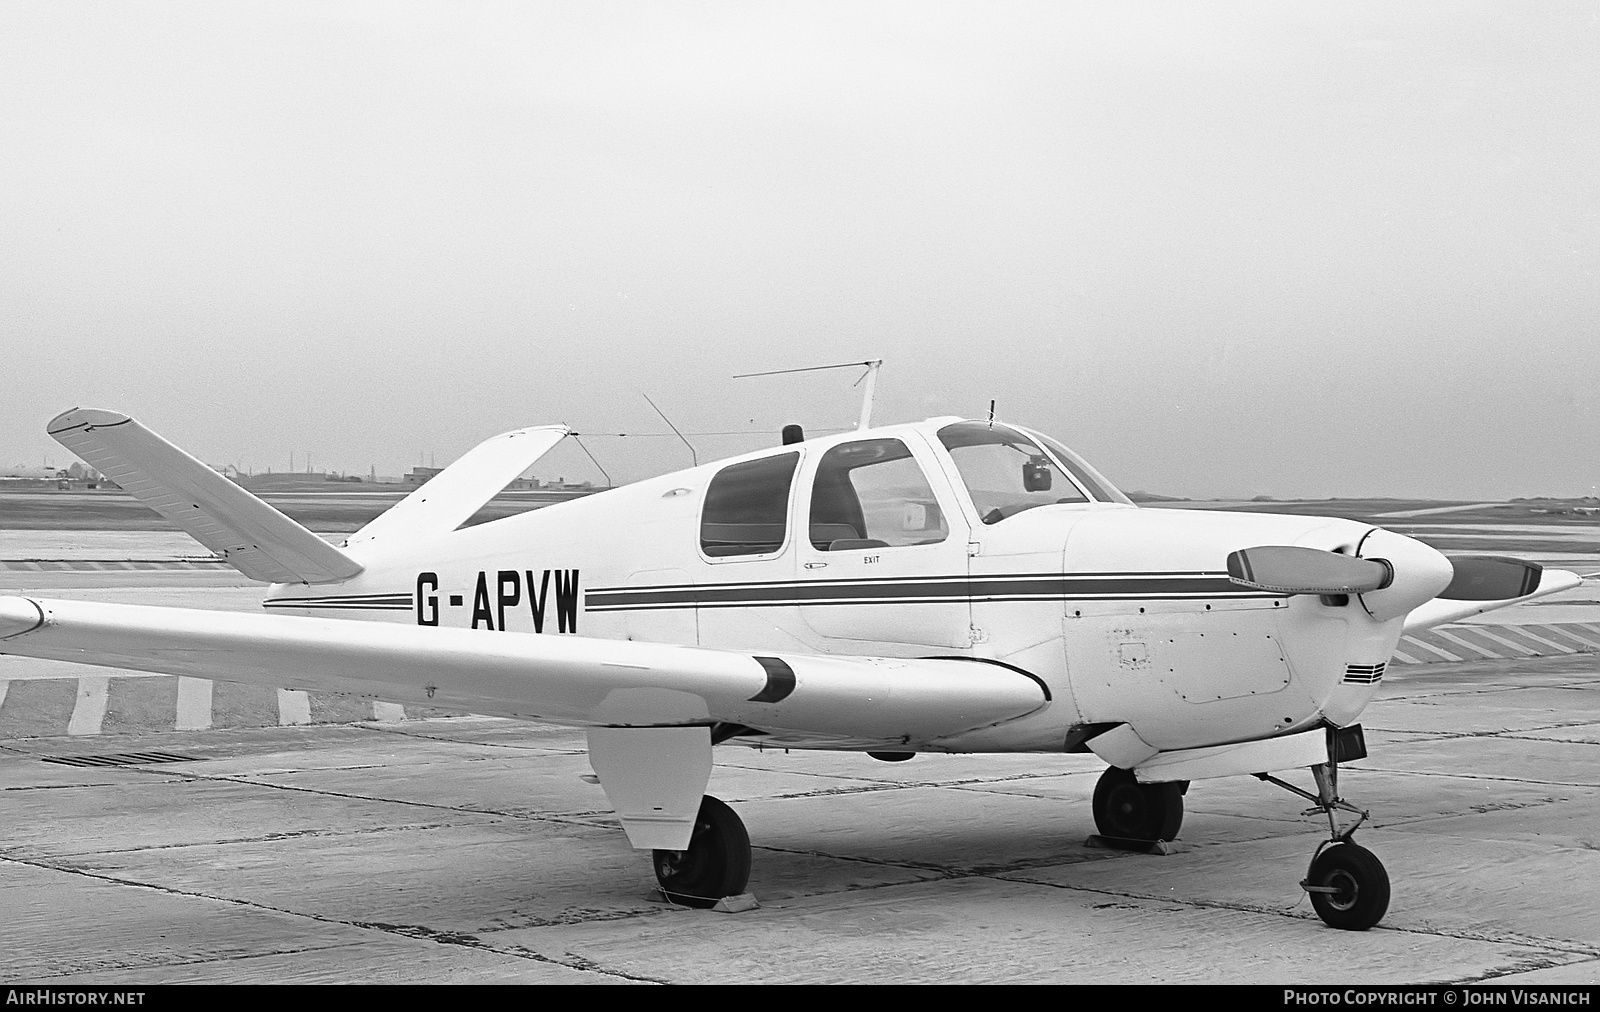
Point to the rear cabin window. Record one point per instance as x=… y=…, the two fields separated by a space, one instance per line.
x=747 y=507
x=872 y=494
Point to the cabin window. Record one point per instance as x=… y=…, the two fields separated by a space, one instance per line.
x=872 y=494
x=1005 y=472
x=747 y=507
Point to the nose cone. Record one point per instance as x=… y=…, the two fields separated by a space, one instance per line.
x=1420 y=573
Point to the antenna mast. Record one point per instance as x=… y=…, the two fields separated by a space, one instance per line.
x=871 y=376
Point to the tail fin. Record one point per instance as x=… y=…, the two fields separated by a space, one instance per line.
x=452 y=496
x=260 y=542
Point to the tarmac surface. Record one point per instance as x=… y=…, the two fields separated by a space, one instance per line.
x=279 y=837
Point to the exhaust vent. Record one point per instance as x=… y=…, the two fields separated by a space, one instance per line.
x=1363 y=674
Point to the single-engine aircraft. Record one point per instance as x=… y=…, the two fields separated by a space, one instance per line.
x=947 y=585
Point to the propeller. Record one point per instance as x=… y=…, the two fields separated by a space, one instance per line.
x=1491 y=578
x=1285 y=569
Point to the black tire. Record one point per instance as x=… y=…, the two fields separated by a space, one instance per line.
x=717 y=863
x=1362 y=885
x=1125 y=809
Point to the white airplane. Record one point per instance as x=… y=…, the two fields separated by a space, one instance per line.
x=941 y=586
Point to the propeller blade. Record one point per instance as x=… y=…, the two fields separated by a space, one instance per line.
x=1289 y=570
x=1491 y=578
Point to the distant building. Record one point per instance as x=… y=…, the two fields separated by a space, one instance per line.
x=421 y=475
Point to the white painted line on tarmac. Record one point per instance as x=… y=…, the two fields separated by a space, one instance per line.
x=388 y=713
x=4 y=685
x=194 y=703
x=1523 y=630
x=1405 y=658
x=1565 y=629
x=1402 y=514
x=294 y=707
x=1415 y=641
x=1477 y=652
x=89 y=709
x=1518 y=647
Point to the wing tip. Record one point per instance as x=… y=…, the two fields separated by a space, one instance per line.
x=78 y=418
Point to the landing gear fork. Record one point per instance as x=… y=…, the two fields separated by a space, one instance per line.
x=1348 y=885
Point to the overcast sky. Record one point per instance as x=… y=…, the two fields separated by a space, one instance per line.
x=1220 y=249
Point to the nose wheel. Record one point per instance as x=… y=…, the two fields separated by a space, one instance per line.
x=1348 y=885
x=717 y=863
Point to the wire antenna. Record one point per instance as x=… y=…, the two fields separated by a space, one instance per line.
x=585 y=449
x=692 y=455
x=871 y=376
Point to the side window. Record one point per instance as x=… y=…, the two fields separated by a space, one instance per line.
x=747 y=507
x=872 y=494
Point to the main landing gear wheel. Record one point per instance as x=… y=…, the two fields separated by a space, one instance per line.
x=717 y=863
x=1127 y=810
x=1348 y=886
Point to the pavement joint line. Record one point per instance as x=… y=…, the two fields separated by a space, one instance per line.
x=200 y=961
x=417 y=931
x=412 y=733
x=1478 y=776
x=298 y=834
x=180 y=776
x=1569 y=946
x=1509 y=732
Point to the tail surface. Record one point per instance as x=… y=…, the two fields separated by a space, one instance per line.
x=259 y=541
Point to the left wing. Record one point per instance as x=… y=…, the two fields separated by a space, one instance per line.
x=562 y=679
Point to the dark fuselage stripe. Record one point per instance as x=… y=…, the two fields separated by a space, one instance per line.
x=1050 y=588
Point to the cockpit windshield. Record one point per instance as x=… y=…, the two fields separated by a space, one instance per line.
x=1087 y=476
x=1007 y=471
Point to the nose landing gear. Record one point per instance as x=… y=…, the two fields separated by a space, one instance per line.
x=1348 y=885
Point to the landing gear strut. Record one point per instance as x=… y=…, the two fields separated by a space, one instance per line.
x=1134 y=814
x=717 y=863
x=1348 y=885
